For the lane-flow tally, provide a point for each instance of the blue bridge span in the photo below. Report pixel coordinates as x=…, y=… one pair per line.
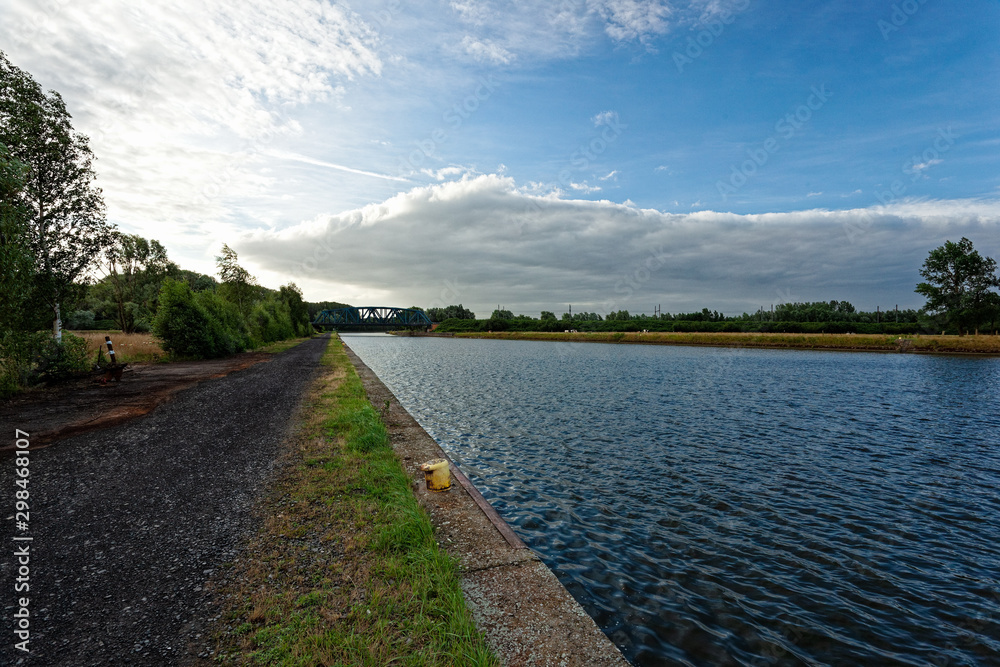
x=372, y=316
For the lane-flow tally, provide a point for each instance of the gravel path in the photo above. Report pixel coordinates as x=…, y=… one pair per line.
x=130, y=523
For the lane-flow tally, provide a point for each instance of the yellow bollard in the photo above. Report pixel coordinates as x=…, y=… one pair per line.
x=437, y=475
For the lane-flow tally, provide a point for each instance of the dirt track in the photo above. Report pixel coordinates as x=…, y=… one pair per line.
x=85, y=404
x=131, y=522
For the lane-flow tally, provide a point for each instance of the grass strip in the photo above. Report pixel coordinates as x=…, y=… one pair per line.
x=281, y=345
x=345, y=570
x=856, y=342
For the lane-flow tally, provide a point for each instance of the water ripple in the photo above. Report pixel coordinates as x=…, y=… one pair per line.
x=735, y=507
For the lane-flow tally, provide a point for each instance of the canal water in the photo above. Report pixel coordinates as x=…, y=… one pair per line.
x=735, y=507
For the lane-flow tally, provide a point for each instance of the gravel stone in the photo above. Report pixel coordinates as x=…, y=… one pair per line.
x=131, y=523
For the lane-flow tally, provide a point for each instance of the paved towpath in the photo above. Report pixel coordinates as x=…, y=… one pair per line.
x=129, y=523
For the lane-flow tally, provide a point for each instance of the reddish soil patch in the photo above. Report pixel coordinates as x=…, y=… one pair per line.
x=51, y=413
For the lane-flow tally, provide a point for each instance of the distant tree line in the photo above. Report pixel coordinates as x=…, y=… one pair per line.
x=960, y=289
x=788, y=316
x=458, y=312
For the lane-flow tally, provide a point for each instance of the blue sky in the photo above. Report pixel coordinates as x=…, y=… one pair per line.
x=605, y=153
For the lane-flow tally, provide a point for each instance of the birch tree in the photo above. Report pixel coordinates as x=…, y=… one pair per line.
x=67, y=225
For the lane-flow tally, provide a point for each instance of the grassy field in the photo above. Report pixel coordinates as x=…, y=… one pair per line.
x=862, y=342
x=138, y=347
x=345, y=570
x=131, y=348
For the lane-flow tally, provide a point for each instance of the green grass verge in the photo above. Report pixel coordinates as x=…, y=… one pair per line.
x=281, y=345
x=346, y=570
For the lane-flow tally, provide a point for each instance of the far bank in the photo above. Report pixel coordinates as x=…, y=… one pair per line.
x=847, y=342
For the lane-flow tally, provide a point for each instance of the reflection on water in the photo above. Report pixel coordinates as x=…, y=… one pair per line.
x=735, y=507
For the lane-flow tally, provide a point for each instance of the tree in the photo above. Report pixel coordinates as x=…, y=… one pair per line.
x=136, y=269
x=502, y=314
x=959, y=285
x=16, y=262
x=457, y=312
x=548, y=315
x=298, y=311
x=67, y=227
x=16, y=277
x=238, y=286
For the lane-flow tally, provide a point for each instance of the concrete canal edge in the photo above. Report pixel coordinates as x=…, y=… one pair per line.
x=527, y=616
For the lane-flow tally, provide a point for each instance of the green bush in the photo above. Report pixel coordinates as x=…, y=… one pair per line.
x=458, y=325
x=60, y=360
x=271, y=321
x=80, y=320
x=298, y=310
x=206, y=325
x=186, y=328
x=18, y=352
x=226, y=324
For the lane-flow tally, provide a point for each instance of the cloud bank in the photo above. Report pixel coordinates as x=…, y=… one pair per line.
x=484, y=241
x=180, y=99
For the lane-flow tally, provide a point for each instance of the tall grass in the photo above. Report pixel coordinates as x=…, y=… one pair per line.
x=131, y=348
x=867, y=342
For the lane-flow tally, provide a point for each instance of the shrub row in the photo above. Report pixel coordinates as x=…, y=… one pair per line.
x=204, y=325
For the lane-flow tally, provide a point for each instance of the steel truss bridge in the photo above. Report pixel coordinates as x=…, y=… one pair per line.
x=372, y=316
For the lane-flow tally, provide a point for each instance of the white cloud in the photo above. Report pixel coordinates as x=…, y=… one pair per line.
x=497, y=241
x=505, y=30
x=447, y=172
x=584, y=188
x=486, y=51
x=476, y=12
x=611, y=175
x=182, y=100
x=605, y=118
x=921, y=167
x=814, y=194
x=638, y=20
